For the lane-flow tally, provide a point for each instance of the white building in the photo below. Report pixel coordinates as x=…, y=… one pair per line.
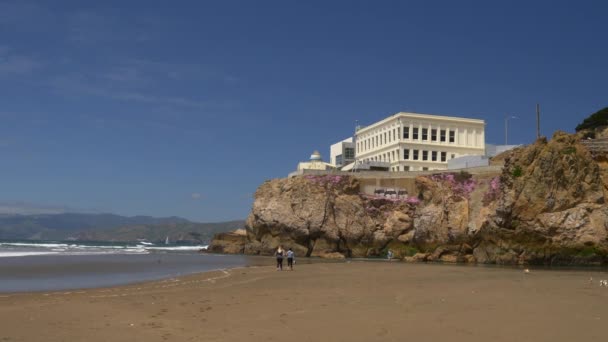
x=342, y=153
x=418, y=142
x=315, y=163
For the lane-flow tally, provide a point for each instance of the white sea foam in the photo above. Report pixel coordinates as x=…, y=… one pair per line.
x=44, y=248
x=6, y=254
x=33, y=244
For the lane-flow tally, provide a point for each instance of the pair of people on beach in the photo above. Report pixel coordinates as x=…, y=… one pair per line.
x=280, y=253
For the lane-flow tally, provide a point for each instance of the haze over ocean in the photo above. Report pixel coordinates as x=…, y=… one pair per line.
x=162, y=109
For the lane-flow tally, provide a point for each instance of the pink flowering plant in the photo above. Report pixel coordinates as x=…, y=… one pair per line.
x=462, y=184
x=493, y=190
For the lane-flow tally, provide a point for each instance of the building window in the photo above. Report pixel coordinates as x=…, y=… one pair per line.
x=339, y=160
x=442, y=135
x=415, y=154
x=433, y=134
x=452, y=136
x=406, y=168
x=392, y=155
x=349, y=153
x=433, y=155
x=425, y=168
x=385, y=138
x=415, y=133
x=425, y=155
x=406, y=132
x=453, y=156
x=443, y=156
x=376, y=144
x=425, y=134
x=406, y=154
x=394, y=136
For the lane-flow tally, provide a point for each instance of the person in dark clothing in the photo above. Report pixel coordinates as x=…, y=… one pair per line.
x=279, y=254
x=290, y=256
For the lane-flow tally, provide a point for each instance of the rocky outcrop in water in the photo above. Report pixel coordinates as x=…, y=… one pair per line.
x=546, y=207
x=229, y=242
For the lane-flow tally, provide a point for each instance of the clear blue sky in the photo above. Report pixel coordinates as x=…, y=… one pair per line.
x=184, y=108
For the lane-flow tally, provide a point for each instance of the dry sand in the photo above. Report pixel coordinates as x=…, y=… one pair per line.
x=356, y=301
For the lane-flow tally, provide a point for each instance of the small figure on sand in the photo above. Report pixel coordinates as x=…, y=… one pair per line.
x=389, y=255
x=279, y=254
x=290, y=260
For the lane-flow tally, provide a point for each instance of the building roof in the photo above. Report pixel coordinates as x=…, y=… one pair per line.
x=408, y=115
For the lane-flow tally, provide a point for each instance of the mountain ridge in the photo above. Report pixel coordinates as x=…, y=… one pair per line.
x=109, y=227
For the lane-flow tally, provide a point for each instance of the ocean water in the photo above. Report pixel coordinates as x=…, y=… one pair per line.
x=61, y=265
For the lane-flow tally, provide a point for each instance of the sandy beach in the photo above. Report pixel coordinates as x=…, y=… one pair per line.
x=353, y=301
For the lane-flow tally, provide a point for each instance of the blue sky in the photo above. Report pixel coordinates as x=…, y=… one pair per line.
x=184, y=108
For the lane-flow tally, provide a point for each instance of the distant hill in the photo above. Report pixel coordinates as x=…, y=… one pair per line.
x=109, y=227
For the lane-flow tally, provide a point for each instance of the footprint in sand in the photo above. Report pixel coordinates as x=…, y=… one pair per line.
x=283, y=318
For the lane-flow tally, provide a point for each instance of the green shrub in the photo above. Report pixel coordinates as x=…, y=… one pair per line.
x=569, y=150
x=410, y=251
x=587, y=252
x=595, y=120
x=517, y=171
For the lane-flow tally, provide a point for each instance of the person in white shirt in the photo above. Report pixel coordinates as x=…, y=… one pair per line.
x=290, y=255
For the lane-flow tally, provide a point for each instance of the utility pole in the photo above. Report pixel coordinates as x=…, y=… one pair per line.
x=537, y=121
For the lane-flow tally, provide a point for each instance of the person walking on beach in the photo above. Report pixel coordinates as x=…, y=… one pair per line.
x=290, y=256
x=279, y=254
x=389, y=255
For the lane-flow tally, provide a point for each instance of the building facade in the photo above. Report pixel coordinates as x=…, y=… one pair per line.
x=315, y=163
x=419, y=142
x=342, y=153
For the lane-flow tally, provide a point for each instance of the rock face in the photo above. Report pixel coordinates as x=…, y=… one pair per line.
x=546, y=207
x=230, y=242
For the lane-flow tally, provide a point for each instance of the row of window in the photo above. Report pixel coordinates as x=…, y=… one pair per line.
x=425, y=134
x=408, y=168
x=424, y=155
x=417, y=134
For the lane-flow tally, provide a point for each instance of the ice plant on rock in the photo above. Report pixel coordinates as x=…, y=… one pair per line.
x=331, y=181
x=493, y=190
x=412, y=200
x=462, y=185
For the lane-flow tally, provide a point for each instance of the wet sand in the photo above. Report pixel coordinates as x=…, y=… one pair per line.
x=356, y=301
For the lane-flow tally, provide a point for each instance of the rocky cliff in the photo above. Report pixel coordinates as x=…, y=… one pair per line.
x=546, y=207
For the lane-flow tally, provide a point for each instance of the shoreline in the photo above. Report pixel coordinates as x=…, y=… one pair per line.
x=254, y=261
x=351, y=301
